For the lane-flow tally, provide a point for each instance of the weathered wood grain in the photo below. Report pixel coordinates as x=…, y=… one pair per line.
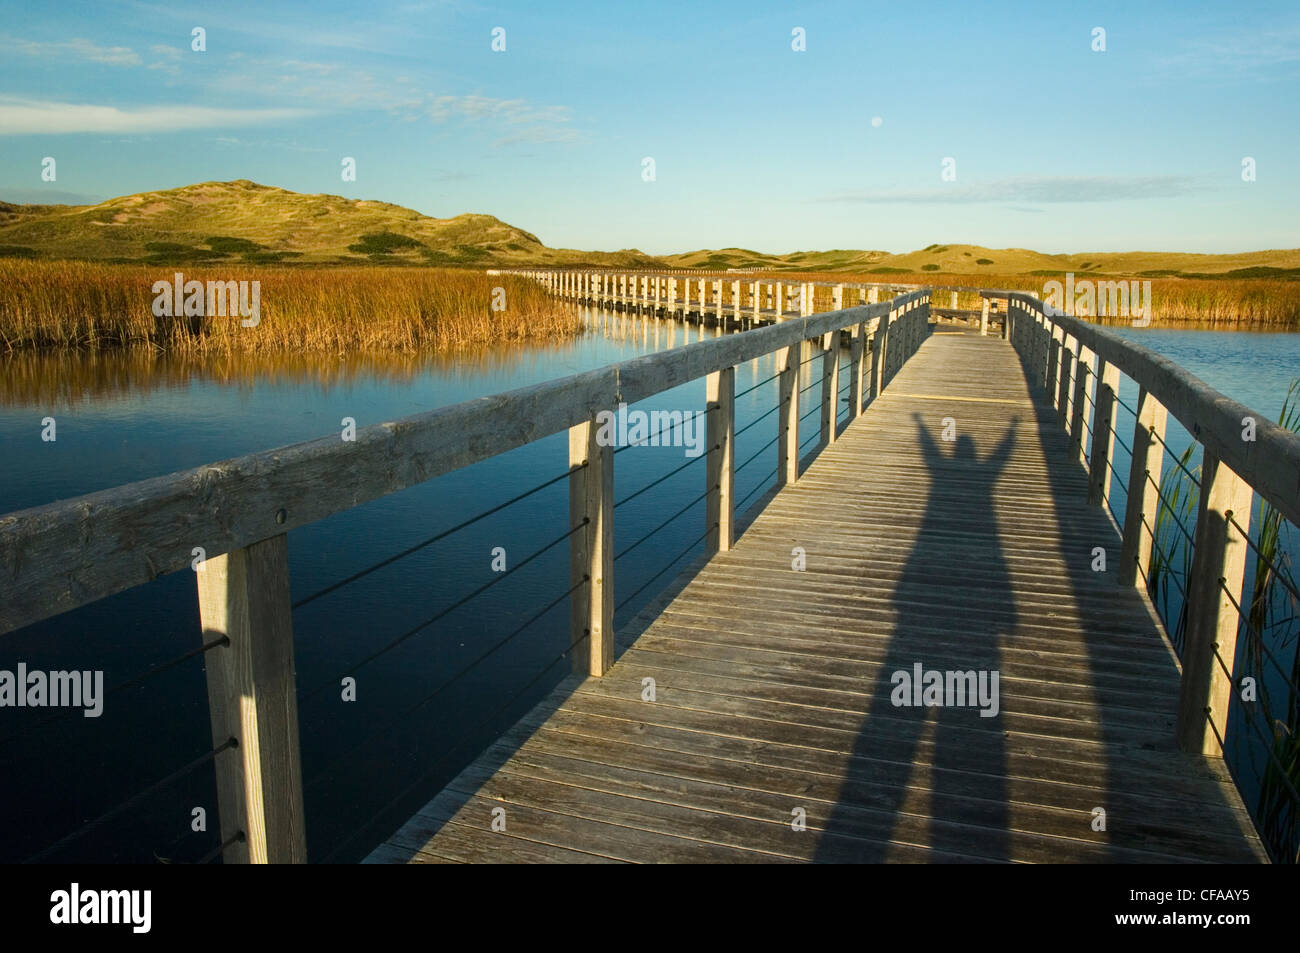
x=773, y=685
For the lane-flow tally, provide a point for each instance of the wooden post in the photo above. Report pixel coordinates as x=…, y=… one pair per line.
x=837, y=298
x=717, y=290
x=1081, y=371
x=830, y=385
x=1103, y=435
x=787, y=465
x=758, y=299
x=780, y=302
x=1218, y=562
x=735, y=302
x=252, y=697
x=954, y=303
x=1143, y=484
x=1053, y=362
x=878, y=354
x=1065, y=374
x=857, y=369
x=720, y=392
x=591, y=550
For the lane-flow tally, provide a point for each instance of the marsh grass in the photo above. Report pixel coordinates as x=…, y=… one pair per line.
x=337, y=310
x=1272, y=614
x=1264, y=303
x=1269, y=629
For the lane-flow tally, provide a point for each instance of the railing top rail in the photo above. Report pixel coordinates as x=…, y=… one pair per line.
x=1270, y=462
x=62, y=555
x=705, y=273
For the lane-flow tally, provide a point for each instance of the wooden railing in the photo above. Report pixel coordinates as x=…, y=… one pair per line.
x=1243, y=453
x=734, y=298
x=58, y=557
x=742, y=299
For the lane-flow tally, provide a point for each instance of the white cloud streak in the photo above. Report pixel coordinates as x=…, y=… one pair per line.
x=25, y=117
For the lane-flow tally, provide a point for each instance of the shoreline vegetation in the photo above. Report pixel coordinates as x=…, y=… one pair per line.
x=1243, y=304
x=87, y=306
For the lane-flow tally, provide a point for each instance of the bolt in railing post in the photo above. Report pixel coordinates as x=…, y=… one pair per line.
x=1218, y=568
x=720, y=392
x=591, y=549
x=252, y=697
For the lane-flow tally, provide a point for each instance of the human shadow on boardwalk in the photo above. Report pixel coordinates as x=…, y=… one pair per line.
x=956, y=750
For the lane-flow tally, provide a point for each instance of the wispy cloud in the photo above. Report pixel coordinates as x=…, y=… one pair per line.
x=512, y=111
x=78, y=49
x=535, y=134
x=26, y=196
x=26, y=116
x=1241, y=53
x=1042, y=190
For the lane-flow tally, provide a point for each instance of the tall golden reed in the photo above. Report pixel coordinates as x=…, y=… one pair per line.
x=69, y=304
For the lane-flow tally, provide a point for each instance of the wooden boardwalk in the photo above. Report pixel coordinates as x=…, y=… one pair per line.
x=773, y=687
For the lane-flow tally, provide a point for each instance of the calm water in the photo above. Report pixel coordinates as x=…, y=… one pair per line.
x=427, y=707
x=124, y=419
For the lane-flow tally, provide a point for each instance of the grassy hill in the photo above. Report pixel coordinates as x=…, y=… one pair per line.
x=976, y=260
x=246, y=222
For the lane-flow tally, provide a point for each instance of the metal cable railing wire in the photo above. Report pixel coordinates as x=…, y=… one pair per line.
x=748, y=390
x=755, y=455
x=1259, y=639
x=761, y=484
x=409, y=633
x=671, y=473
x=388, y=722
x=1177, y=460
x=757, y=419
x=1170, y=510
x=433, y=539
x=660, y=431
x=496, y=713
x=1170, y=575
x=68, y=713
x=672, y=562
x=132, y=801
x=1282, y=771
x=210, y=856
x=1277, y=574
x=628, y=549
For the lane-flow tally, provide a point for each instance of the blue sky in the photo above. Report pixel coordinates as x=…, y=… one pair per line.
x=1057, y=147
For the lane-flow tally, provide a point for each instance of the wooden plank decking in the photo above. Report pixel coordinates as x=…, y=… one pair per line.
x=773, y=687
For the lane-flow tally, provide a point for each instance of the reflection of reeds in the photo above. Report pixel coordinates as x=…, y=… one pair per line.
x=85, y=305
x=63, y=377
